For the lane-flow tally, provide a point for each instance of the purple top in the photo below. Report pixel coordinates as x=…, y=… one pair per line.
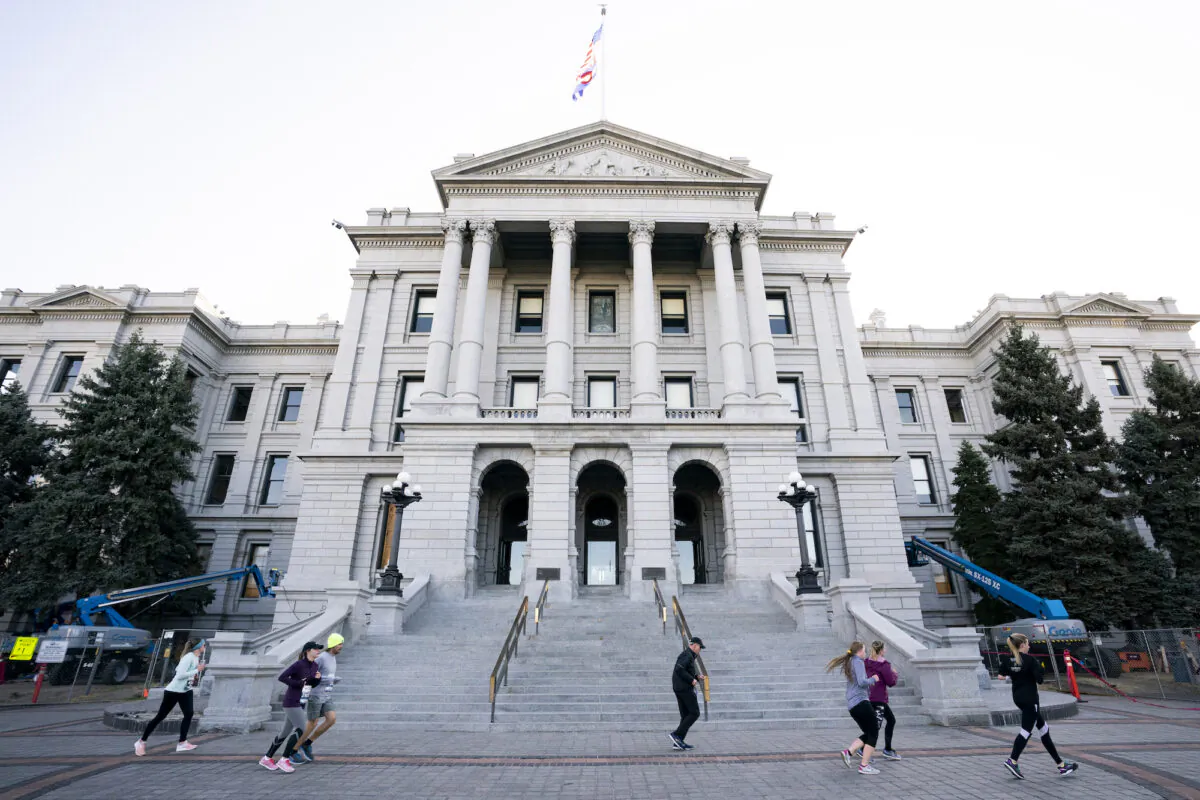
x=295, y=676
x=887, y=677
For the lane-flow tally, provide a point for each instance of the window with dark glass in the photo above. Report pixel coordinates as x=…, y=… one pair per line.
x=276, y=473
x=411, y=387
x=239, y=404
x=602, y=393
x=10, y=368
x=68, y=373
x=289, y=407
x=218, y=486
x=956, y=404
x=257, y=555
x=529, y=312
x=674, y=312
x=602, y=312
x=906, y=400
x=204, y=552
x=922, y=480
x=678, y=392
x=524, y=392
x=777, y=311
x=791, y=392
x=812, y=535
x=422, y=321
x=1116, y=381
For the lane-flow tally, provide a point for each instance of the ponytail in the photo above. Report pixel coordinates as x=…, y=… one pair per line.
x=1014, y=645
x=843, y=661
x=877, y=648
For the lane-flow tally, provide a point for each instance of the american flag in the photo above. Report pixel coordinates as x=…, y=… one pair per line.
x=587, y=70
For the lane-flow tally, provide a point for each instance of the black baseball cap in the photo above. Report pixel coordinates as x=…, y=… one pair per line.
x=312, y=646
x=696, y=640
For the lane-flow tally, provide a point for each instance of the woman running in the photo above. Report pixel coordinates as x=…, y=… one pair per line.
x=878, y=664
x=177, y=693
x=858, y=701
x=303, y=672
x=1026, y=673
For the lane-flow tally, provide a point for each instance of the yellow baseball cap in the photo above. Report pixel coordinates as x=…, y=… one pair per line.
x=334, y=640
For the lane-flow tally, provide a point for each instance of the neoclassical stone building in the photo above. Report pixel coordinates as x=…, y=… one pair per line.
x=598, y=358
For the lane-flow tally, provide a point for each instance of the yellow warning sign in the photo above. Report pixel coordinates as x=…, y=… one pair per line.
x=24, y=648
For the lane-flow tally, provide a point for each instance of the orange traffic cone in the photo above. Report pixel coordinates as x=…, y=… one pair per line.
x=1071, y=673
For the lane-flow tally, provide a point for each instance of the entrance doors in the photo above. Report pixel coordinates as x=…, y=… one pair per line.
x=601, y=524
x=689, y=541
x=513, y=540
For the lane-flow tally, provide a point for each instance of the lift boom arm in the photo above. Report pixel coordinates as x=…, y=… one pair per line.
x=994, y=585
x=87, y=607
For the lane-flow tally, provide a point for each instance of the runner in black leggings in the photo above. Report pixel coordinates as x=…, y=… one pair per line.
x=1026, y=673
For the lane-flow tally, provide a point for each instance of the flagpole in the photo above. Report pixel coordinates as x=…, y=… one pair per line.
x=604, y=57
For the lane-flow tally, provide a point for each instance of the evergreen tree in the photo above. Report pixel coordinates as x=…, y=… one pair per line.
x=107, y=517
x=1063, y=525
x=25, y=451
x=1159, y=459
x=975, y=502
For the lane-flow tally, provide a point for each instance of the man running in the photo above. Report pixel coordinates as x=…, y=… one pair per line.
x=320, y=702
x=684, y=680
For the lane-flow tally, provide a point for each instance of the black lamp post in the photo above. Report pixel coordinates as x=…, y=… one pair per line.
x=796, y=493
x=401, y=494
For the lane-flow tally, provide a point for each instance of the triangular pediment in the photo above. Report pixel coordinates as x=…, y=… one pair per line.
x=79, y=297
x=1106, y=305
x=601, y=151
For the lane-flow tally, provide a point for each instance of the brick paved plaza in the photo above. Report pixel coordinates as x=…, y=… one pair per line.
x=1127, y=751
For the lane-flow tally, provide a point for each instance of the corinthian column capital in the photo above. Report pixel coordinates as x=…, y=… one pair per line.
x=641, y=231
x=562, y=231
x=454, y=229
x=484, y=230
x=748, y=232
x=719, y=232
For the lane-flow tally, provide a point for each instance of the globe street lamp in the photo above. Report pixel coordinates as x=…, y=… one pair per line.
x=796, y=493
x=401, y=495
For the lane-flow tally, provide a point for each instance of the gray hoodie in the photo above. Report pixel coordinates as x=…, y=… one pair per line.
x=858, y=688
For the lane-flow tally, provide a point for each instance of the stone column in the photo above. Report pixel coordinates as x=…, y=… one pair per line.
x=441, y=335
x=647, y=403
x=732, y=351
x=559, y=326
x=470, y=345
x=762, y=346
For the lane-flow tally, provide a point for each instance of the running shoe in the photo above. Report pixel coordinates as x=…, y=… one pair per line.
x=1012, y=767
x=867, y=769
x=846, y=758
x=139, y=747
x=285, y=765
x=890, y=755
x=687, y=746
x=307, y=748
x=1068, y=768
x=183, y=747
x=266, y=761
x=676, y=742
x=298, y=757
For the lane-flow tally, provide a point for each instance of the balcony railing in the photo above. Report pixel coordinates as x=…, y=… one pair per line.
x=601, y=413
x=693, y=413
x=508, y=413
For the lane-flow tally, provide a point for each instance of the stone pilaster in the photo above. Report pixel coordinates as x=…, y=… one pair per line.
x=550, y=520
x=651, y=533
x=371, y=362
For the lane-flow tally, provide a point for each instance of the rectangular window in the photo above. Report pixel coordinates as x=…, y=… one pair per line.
x=1116, y=382
x=276, y=473
x=811, y=537
x=602, y=393
x=410, y=389
x=289, y=407
x=68, y=374
x=257, y=555
x=956, y=404
x=679, y=392
x=674, y=312
x=10, y=368
x=791, y=392
x=602, y=312
x=218, y=486
x=524, y=392
x=943, y=583
x=781, y=325
x=239, y=404
x=204, y=551
x=906, y=400
x=529, y=312
x=922, y=482
x=422, y=320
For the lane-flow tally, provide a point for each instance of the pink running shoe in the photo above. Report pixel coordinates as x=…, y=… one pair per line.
x=183, y=747
x=139, y=747
x=285, y=765
x=268, y=763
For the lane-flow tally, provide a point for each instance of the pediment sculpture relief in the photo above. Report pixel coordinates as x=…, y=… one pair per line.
x=600, y=164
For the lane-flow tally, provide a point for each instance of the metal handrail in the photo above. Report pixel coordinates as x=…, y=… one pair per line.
x=540, y=608
x=685, y=633
x=500, y=671
x=662, y=606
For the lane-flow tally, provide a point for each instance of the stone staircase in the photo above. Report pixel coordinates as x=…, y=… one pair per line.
x=599, y=663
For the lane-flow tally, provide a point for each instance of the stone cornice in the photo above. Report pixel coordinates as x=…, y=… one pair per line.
x=571, y=187
x=397, y=240
x=794, y=245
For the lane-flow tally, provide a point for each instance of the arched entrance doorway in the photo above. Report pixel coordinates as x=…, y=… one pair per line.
x=502, y=534
x=699, y=523
x=600, y=525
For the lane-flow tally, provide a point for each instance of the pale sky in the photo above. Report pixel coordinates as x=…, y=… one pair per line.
x=1017, y=148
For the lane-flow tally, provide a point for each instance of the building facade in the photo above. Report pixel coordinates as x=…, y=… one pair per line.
x=599, y=359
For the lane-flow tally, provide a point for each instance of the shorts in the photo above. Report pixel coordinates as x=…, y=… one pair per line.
x=317, y=708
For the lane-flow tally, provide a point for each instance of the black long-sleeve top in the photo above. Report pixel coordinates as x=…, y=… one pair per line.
x=1025, y=676
x=684, y=672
